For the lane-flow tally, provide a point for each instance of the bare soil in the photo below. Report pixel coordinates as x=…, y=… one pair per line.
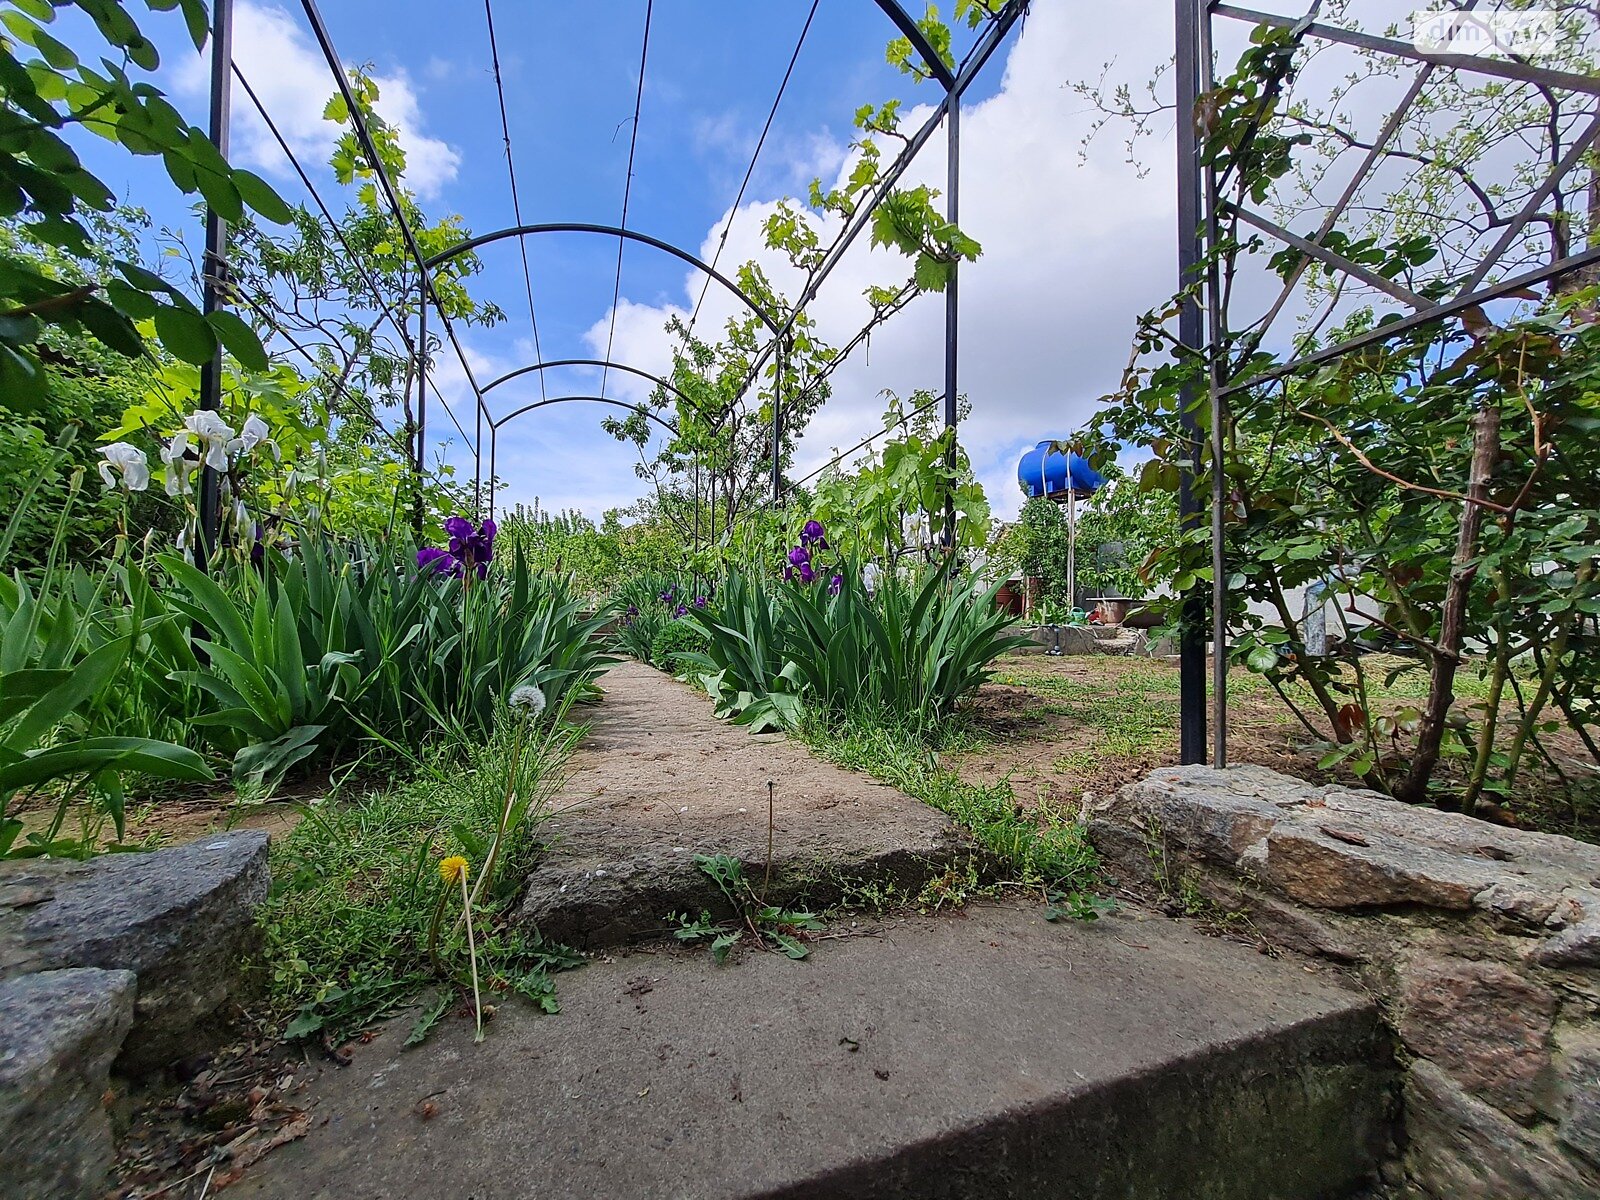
x=1058, y=729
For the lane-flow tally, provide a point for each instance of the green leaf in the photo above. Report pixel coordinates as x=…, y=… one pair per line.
x=90, y=756
x=186, y=334
x=306, y=1022
x=260, y=196
x=429, y=1017
x=235, y=333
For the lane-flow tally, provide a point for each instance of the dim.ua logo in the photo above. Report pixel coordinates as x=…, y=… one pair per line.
x=1501, y=33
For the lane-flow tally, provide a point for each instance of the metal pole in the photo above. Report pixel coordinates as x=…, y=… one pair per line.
x=419, y=460
x=1219, y=479
x=494, y=445
x=777, y=424
x=215, y=273
x=1072, y=541
x=952, y=316
x=1192, y=618
x=477, y=466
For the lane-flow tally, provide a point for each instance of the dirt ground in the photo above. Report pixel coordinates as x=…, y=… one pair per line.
x=1060, y=727
x=1057, y=728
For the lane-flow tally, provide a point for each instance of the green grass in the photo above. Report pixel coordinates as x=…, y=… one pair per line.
x=1135, y=713
x=1038, y=846
x=356, y=885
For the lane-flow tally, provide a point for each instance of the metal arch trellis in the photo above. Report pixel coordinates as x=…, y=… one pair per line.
x=1202, y=315
x=955, y=83
x=738, y=198
x=953, y=80
x=616, y=231
x=552, y=363
x=494, y=426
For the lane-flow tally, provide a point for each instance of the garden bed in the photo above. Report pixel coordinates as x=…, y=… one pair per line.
x=1060, y=727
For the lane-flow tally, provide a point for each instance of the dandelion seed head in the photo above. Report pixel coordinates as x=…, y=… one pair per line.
x=528, y=698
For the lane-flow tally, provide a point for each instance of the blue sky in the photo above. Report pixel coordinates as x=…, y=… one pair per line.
x=1073, y=249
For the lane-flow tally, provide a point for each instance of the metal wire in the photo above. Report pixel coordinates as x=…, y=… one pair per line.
x=272, y=127
x=364, y=136
x=511, y=172
x=371, y=281
x=628, y=189
x=722, y=241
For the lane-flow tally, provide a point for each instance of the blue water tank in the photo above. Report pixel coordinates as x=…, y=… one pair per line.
x=1044, y=472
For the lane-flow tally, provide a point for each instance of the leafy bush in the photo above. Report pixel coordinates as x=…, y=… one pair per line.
x=913, y=650
x=746, y=670
x=61, y=672
x=644, y=605
x=312, y=652
x=676, y=638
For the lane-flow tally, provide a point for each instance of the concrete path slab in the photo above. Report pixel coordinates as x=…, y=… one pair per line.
x=980, y=1054
x=660, y=779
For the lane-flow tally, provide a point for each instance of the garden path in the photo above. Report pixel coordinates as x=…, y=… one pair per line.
x=977, y=1054
x=659, y=779
x=982, y=1053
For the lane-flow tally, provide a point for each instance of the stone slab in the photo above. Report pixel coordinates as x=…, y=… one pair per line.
x=660, y=780
x=1463, y=1149
x=979, y=1054
x=181, y=919
x=1343, y=848
x=59, y=1032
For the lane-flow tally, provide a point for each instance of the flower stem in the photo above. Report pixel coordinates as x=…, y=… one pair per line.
x=433, y=929
x=472, y=952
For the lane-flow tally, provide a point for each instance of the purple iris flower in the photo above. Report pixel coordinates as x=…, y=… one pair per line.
x=483, y=544
x=800, y=557
x=459, y=529
x=807, y=574
x=835, y=584
x=788, y=574
x=699, y=601
x=633, y=610
x=431, y=560
x=680, y=610
x=469, y=546
x=668, y=595
x=814, y=534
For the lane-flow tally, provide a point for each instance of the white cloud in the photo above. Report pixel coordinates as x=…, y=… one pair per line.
x=1072, y=253
x=293, y=82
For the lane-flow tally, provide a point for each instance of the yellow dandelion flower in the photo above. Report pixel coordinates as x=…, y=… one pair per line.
x=452, y=868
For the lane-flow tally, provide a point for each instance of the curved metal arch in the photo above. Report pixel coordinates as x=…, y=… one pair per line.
x=586, y=362
x=640, y=409
x=521, y=231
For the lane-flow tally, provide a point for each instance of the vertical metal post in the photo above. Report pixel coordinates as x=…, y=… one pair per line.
x=214, y=282
x=1219, y=477
x=477, y=464
x=494, y=445
x=1072, y=540
x=777, y=422
x=952, y=314
x=1192, y=617
x=419, y=452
